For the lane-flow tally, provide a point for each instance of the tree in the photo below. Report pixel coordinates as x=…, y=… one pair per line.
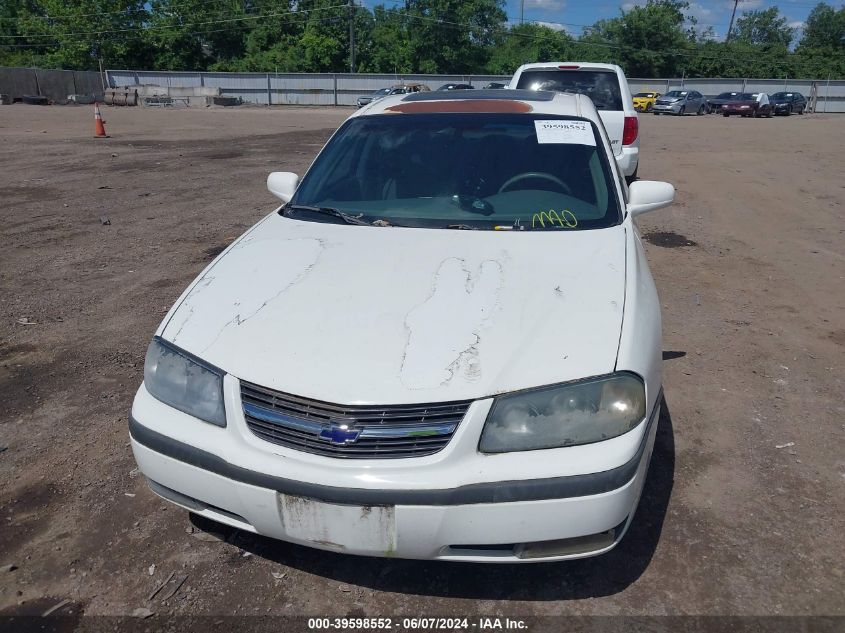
x=766, y=27
x=196, y=34
x=452, y=36
x=388, y=48
x=524, y=43
x=75, y=35
x=655, y=39
x=824, y=29
x=649, y=40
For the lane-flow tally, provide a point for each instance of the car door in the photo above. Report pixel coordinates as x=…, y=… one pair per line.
x=697, y=102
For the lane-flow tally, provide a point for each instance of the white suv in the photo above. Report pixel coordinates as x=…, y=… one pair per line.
x=607, y=86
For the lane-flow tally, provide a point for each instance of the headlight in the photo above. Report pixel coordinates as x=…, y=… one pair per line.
x=564, y=415
x=184, y=382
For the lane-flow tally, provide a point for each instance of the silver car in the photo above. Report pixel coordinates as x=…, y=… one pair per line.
x=378, y=94
x=681, y=102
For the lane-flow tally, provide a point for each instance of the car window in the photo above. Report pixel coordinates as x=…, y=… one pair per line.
x=601, y=86
x=481, y=171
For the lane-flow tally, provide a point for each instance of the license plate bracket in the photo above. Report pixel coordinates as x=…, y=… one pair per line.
x=340, y=527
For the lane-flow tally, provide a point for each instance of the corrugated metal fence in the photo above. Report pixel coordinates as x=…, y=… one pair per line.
x=56, y=85
x=343, y=88
x=288, y=88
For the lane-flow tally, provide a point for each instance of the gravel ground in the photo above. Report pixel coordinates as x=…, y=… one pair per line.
x=742, y=512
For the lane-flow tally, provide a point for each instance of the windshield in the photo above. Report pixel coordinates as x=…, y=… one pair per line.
x=382, y=91
x=480, y=171
x=746, y=96
x=726, y=95
x=676, y=93
x=644, y=94
x=601, y=86
x=782, y=95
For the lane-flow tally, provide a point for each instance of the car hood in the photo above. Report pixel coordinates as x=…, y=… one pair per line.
x=370, y=315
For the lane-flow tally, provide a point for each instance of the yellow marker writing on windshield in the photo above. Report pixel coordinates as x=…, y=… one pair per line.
x=564, y=219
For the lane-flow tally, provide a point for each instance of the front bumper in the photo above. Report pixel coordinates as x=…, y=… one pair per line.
x=380, y=509
x=670, y=108
x=732, y=110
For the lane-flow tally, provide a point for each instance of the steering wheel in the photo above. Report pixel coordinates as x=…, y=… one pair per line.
x=536, y=174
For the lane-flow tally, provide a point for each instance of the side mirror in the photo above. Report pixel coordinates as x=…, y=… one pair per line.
x=648, y=195
x=282, y=184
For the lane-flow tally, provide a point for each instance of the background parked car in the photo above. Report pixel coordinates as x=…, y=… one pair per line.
x=749, y=104
x=409, y=88
x=715, y=103
x=393, y=90
x=788, y=102
x=452, y=86
x=607, y=87
x=681, y=102
x=644, y=101
x=495, y=85
x=378, y=94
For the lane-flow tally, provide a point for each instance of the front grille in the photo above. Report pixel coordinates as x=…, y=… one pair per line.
x=350, y=431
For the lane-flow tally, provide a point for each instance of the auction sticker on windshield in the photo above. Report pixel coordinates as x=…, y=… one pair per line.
x=572, y=132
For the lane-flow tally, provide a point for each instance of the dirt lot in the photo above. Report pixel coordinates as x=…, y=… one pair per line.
x=750, y=266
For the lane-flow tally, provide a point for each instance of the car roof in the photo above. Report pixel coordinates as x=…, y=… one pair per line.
x=486, y=101
x=580, y=65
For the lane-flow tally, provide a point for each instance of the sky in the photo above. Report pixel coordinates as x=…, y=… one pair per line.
x=574, y=15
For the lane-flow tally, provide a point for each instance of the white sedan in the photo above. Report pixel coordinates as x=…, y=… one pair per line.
x=444, y=345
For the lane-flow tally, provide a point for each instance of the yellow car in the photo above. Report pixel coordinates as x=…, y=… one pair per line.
x=644, y=101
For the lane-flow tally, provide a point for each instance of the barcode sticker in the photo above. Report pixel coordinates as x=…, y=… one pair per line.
x=572, y=132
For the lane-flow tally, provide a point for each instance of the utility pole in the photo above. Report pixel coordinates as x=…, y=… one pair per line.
x=351, y=36
x=522, y=12
x=731, y=27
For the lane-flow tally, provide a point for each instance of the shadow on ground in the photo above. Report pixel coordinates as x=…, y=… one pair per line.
x=587, y=578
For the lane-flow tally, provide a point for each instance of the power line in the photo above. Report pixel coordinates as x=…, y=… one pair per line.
x=243, y=29
x=439, y=21
x=172, y=26
x=171, y=5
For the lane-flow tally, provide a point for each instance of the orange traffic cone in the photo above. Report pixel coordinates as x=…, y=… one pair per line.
x=99, y=128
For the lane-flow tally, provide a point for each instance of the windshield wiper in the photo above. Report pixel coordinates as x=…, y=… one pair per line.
x=461, y=227
x=335, y=213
